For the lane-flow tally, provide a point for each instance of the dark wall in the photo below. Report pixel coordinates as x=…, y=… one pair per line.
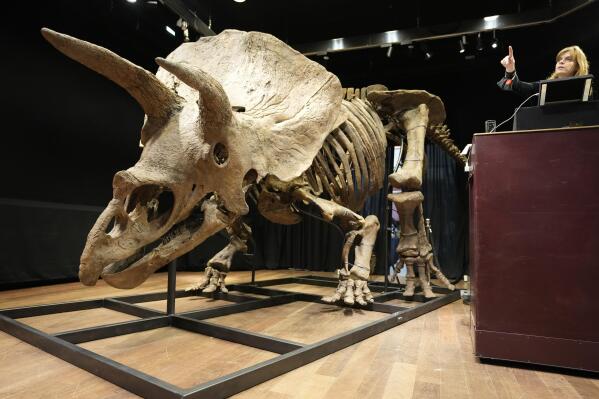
x=67, y=130
x=468, y=86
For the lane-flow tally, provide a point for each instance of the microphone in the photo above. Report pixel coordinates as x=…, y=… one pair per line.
x=514, y=114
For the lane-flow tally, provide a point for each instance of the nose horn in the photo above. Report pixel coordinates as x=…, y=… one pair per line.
x=122, y=183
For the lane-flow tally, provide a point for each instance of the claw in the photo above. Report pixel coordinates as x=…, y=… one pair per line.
x=209, y=289
x=197, y=287
x=367, y=294
x=348, y=298
x=358, y=293
x=330, y=299
x=341, y=288
x=204, y=283
x=363, y=294
x=214, y=280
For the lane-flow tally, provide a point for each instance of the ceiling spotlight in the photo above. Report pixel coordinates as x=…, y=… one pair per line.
x=491, y=18
x=170, y=30
x=495, y=42
x=479, y=42
x=389, y=51
x=181, y=23
x=427, y=53
x=239, y=1
x=324, y=57
x=463, y=44
x=131, y=1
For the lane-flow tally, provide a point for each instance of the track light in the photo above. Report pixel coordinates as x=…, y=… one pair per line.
x=463, y=44
x=181, y=23
x=495, y=42
x=427, y=53
x=389, y=51
x=170, y=30
x=479, y=42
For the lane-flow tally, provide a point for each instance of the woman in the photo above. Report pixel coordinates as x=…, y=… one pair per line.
x=570, y=61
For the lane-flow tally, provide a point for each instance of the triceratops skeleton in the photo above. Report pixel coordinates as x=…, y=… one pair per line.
x=242, y=115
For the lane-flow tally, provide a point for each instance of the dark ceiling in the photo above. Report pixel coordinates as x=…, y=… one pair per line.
x=311, y=20
x=137, y=30
x=140, y=26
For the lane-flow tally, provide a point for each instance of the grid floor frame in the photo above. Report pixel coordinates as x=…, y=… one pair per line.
x=291, y=355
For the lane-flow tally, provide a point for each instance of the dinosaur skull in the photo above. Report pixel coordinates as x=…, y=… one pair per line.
x=188, y=164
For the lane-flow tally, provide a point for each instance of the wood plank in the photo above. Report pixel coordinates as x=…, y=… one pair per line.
x=583, y=386
x=179, y=357
x=303, y=322
x=403, y=303
x=59, y=322
x=429, y=355
x=304, y=288
x=559, y=385
x=186, y=304
x=28, y=372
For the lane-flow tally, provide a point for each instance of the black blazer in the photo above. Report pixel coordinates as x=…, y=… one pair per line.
x=510, y=82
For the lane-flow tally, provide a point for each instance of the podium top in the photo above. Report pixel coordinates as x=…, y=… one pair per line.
x=561, y=129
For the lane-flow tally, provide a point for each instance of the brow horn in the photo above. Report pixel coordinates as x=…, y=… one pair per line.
x=157, y=100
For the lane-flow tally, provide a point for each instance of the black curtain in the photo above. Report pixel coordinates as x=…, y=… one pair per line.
x=316, y=245
x=446, y=205
x=42, y=242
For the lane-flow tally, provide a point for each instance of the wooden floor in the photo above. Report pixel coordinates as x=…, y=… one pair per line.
x=429, y=357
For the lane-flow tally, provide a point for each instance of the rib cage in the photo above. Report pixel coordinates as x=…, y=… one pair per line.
x=351, y=163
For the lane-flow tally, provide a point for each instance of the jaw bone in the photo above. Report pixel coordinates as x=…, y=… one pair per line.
x=183, y=240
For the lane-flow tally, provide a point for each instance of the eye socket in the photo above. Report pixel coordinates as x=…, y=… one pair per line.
x=220, y=154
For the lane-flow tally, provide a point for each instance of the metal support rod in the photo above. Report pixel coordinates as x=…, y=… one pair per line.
x=385, y=237
x=171, y=288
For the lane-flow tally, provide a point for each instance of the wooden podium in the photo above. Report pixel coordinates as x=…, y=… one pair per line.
x=534, y=246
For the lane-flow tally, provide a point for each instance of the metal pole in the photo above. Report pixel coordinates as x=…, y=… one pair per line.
x=171, y=287
x=390, y=151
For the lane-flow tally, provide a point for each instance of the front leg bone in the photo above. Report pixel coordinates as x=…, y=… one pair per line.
x=415, y=123
x=353, y=287
x=425, y=250
x=220, y=264
x=330, y=210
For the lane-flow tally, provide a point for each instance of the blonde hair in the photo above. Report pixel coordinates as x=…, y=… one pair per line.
x=582, y=64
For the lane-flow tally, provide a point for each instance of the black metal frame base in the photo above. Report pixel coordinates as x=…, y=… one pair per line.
x=291, y=354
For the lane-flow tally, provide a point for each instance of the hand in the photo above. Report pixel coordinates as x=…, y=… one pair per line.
x=508, y=62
